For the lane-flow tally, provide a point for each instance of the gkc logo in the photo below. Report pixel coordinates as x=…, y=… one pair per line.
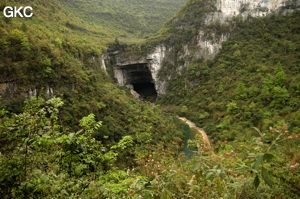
x=17, y=11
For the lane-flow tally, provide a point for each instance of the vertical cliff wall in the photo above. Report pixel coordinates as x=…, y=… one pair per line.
x=210, y=38
x=196, y=32
x=129, y=70
x=199, y=30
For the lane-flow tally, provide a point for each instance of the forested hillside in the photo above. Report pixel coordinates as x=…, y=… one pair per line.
x=135, y=18
x=253, y=82
x=68, y=131
x=53, y=145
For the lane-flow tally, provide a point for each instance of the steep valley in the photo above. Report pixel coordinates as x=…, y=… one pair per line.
x=113, y=99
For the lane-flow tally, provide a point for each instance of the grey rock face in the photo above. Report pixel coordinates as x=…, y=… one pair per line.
x=206, y=44
x=226, y=10
x=144, y=69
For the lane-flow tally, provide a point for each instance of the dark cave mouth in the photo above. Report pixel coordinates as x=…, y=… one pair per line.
x=146, y=90
x=139, y=76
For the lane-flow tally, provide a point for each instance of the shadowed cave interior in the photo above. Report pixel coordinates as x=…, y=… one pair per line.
x=139, y=76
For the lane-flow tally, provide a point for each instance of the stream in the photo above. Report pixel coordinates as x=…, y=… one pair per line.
x=190, y=131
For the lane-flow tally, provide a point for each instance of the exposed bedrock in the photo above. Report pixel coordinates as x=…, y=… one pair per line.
x=141, y=73
x=140, y=77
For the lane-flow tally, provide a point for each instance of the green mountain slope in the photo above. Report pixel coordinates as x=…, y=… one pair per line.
x=55, y=50
x=254, y=81
x=134, y=18
x=91, y=139
x=182, y=27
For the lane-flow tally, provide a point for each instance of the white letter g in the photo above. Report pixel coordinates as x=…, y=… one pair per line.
x=9, y=13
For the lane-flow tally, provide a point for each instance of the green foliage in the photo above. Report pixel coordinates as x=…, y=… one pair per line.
x=58, y=51
x=232, y=108
x=115, y=184
x=183, y=27
x=240, y=91
x=267, y=157
x=280, y=96
x=89, y=123
x=58, y=148
x=124, y=143
x=251, y=82
x=41, y=158
x=128, y=18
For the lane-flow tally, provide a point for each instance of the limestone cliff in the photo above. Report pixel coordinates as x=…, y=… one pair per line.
x=146, y=67
x=226, y=10
x=217, y=22
x=197, y=32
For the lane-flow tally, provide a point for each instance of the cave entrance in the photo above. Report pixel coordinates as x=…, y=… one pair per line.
x=139, y=76
x=146, y=90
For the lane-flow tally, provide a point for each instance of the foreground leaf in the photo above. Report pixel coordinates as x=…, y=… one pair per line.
x=266, y=177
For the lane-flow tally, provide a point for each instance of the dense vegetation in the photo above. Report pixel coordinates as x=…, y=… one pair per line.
x=130, y=18
x=254, y=81
x=92, y=140
x=52, y=51
x=185, y=24
x=42, y=159
x=41, y=53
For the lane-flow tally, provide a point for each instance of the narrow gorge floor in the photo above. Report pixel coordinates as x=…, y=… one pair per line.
x=201, y=131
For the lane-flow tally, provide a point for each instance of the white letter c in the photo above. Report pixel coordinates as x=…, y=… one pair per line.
x=24, y=12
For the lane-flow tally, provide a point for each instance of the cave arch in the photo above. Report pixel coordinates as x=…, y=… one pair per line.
x=139, y=76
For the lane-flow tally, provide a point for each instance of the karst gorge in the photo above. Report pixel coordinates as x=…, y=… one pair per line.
x=149, y=99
